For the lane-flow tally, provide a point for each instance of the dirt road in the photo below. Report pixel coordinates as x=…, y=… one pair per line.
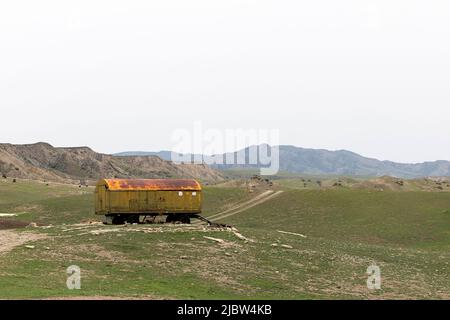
x=241, y=207
x=9, y=239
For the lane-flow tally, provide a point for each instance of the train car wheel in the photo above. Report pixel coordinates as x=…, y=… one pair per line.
x=132, y=218
x=117, y=219
x=170, y=218
x=185, y=219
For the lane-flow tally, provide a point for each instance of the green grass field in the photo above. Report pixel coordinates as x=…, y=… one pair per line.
x=407, y=234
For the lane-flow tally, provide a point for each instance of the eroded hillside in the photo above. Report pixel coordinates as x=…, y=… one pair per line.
x=42, y=161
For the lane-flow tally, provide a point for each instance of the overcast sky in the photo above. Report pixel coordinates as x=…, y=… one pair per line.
x=371, y=76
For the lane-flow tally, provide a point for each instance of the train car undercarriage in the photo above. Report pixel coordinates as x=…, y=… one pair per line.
x=119, y=219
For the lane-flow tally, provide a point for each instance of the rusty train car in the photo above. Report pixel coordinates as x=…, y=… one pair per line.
x=135, y=200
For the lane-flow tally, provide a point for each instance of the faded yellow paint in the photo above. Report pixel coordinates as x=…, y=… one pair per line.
x=148, y=196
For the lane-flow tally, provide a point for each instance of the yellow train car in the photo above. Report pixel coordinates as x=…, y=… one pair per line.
x=135, y=200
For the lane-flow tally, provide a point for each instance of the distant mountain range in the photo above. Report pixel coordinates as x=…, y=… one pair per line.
x=42, y=161
x=324, y=162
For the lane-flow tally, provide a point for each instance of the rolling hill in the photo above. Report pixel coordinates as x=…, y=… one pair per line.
x=41, y=161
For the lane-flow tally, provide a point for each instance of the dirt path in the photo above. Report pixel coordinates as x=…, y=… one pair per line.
x=240, y=207
x=10, y=239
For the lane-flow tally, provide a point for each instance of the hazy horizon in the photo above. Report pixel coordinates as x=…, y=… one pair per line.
x=368, y=76
x=167, y=150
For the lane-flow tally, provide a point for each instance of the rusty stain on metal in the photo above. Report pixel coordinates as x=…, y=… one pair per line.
x=152, y=184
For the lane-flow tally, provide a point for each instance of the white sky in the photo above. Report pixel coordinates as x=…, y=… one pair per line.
x=371, y=76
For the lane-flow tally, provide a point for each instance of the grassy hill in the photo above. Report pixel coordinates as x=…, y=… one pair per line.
x=333, y=235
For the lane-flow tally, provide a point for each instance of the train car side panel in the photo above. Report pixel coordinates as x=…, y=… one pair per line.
x=147, y=197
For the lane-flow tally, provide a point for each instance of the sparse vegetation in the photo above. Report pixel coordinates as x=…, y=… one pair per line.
x=329, y=237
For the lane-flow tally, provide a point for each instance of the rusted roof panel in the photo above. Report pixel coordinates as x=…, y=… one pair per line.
x=152, y=184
